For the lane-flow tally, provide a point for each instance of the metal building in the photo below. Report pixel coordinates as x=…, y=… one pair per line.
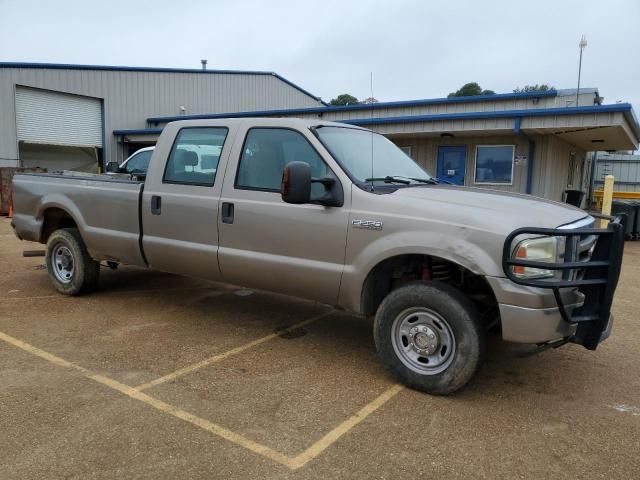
x=623, y=166
x=63, y=116
x=533, y=143
x=76, y=116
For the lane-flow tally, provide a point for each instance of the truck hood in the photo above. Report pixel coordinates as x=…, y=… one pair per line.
x=486, y=209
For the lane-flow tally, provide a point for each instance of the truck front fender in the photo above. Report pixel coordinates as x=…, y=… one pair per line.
x=458, y=249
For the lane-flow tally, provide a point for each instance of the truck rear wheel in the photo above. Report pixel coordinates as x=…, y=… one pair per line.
x=70, y=267
x=429, y=335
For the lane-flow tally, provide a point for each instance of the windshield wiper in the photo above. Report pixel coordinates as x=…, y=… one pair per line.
x=389, y=179
x=401, y=179
x=431, y=181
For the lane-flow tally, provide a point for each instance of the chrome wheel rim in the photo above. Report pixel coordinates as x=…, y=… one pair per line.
x=62, y=263
x=423, y=340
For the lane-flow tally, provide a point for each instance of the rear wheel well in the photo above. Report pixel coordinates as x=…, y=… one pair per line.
x=400, y=270
x=54, y=219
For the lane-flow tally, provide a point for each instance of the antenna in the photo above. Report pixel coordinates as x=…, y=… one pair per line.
x=371, y=112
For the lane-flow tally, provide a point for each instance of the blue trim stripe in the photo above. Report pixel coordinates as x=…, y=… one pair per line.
x=137, y=131
x=517, y=114
x=113, y=68
x=536, y=112
x=368, y=106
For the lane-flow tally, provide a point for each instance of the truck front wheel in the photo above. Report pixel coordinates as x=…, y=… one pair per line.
x=70, y=267
x=429, y=335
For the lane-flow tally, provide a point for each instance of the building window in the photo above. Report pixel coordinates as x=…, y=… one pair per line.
x=194, y=156
x=494, y=164
x=407, y=151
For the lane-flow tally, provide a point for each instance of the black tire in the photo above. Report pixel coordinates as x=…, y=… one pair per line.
x=436, y=301
x=83, y=271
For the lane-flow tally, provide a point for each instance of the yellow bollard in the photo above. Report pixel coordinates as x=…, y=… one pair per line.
x=607, y=196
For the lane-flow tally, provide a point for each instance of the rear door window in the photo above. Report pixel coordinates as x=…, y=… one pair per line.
x=195, y=155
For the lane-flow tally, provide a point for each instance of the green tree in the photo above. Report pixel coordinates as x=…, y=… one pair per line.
x=544, y=87
x=344, y=99
x=470, y=90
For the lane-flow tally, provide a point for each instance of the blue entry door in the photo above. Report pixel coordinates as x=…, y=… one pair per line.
x=451, y=164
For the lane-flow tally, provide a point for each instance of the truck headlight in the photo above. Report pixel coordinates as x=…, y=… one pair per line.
x=543, y=249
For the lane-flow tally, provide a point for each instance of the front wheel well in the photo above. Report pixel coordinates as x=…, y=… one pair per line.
x=54, y=219
x=394, y=272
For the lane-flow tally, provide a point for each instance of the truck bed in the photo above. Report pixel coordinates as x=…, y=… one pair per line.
x=105, y=209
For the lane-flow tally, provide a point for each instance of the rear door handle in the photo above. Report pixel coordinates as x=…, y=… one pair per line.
x=227, y=212
x=156, y=204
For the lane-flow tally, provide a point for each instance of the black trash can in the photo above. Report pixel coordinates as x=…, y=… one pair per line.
x=574, y=197
x=629, y=209
x=636, y=219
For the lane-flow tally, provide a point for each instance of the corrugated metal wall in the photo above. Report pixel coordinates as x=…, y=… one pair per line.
x=555, y=167
x=558, y=166
x=451, y=108
x=130, y=97
x=425, y=151
x=625, y=169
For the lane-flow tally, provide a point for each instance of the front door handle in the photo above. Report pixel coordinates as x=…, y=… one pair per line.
x=156, y=204
x=227, y=212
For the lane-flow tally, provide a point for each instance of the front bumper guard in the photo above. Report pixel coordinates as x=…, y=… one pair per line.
x=598, y=284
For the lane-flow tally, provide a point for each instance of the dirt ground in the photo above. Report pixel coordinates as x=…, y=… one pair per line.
x=158, y=376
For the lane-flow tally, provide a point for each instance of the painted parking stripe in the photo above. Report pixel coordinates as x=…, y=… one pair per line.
x=293, y=463
x=153, y=402
x=222, y=356
x=330, y=438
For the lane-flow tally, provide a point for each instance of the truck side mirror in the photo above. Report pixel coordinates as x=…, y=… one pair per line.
x=296, y=183
x=112, y=167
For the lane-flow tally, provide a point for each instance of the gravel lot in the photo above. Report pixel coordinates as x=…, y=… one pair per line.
x=158, y=376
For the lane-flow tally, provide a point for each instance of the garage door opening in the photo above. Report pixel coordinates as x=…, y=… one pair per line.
x=60, y=157
x=59, y=131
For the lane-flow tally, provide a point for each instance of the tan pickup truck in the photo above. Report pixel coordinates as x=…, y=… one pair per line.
x=339, y=215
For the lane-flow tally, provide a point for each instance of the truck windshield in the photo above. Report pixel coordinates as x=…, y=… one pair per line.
x=371, y=157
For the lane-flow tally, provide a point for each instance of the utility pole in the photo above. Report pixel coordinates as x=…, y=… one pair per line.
x=581, y=45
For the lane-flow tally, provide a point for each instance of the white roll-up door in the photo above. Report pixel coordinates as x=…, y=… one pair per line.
x=54, y=118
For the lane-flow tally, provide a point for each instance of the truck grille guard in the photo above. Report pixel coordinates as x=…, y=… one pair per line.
x=595, y=276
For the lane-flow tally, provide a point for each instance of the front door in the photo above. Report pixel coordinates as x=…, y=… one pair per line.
x=451, y=164
x=268, y=244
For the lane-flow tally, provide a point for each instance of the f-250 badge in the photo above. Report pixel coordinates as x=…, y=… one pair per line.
x=367, y=224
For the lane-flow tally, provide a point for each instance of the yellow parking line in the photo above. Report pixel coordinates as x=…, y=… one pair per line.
x=49, y=357
x=330, y=438
x=154, y=402
x=222, y=356
x=293, y=463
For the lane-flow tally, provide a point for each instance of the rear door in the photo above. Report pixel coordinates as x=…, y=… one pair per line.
x=181, y=198
x=269, y=244
x=451, y=164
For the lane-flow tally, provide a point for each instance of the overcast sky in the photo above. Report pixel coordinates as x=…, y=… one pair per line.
x=415, y=49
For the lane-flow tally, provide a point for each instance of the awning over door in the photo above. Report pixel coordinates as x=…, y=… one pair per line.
x=54, y=118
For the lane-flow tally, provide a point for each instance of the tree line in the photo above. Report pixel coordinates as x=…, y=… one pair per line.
x=471, y=89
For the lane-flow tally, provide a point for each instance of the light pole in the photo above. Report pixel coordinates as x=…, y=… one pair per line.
x=581, y=45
